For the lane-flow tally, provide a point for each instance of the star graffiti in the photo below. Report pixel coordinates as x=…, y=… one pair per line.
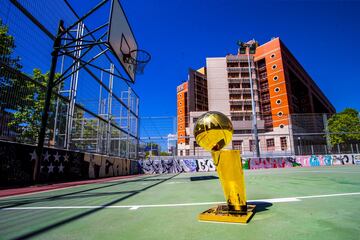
x=51, y=163
x=47, y=156
x=51, y=168
x=57, y=157
x=33, y=155
x=61, y=168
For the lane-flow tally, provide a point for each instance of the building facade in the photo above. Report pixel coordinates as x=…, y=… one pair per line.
x=282, y=89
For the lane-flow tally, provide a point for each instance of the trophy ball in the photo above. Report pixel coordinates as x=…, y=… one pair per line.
x=213, y=131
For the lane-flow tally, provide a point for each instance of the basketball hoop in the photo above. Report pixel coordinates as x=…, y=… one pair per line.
x=138, y=59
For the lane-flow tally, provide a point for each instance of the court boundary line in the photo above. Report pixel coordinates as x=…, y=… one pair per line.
x=136, y=207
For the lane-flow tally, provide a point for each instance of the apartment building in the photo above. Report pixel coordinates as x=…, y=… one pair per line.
x=281, y=88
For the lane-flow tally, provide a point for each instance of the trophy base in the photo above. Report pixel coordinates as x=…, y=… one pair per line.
x=222, y=213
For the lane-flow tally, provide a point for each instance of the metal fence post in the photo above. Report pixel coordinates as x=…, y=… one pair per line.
x=45, y=112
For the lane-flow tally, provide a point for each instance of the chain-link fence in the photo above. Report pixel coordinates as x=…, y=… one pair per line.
x=297, y=134
x=93, y=110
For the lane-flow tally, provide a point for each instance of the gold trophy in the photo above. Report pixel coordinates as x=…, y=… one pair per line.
x=213, y=131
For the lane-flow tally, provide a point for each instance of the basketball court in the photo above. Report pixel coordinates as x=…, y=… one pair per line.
x=296, y=203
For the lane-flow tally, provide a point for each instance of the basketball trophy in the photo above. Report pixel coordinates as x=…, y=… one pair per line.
x=213, y=131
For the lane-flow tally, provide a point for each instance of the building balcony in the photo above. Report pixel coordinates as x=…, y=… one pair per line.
x=237, y=58
x=237, y=69
x=262, y=90
x=262, y=68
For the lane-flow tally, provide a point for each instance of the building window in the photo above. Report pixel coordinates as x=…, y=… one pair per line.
x=278, y=102
x=275, y=78
x=272, y=55
x=277, y=90
x=247, y=108
x=195, y=120
x=270, y=144
x=180, y=111
x=237, y=118
x=266, y=108
x=180, y=103
x=180, y=127
x=280, y=114
x=252, y=145
x=283, y=143
x=274, y=66
x=187, y=152
x=180, y=95
x=237, y=145
x=281, y=126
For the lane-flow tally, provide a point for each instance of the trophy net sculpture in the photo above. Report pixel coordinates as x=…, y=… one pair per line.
x=213, y=131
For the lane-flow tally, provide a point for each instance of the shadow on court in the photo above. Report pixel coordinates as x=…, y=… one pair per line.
x=260, y=206
x=203, y=178
x=74, y=194
x=87, y=213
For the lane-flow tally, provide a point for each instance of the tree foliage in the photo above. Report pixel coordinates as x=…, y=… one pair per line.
x=7, y=46
x=27, y=117
x=345, y=127
x=22, y=97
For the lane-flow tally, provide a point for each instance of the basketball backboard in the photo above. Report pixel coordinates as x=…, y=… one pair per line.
x=121, y=38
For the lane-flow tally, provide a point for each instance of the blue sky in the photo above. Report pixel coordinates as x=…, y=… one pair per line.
x=323, y=36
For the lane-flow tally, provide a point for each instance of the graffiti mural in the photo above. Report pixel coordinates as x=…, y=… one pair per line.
x=205, y=165
x=259, y=163
x=328, y=160
x=17, y=162
x=176, y=166
x=106, y=166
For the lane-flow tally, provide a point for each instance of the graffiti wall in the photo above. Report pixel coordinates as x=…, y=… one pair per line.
x=328, y=160
x=17, y=162
x=207, y=165
x=259, y=163
x=106, y=166
x=176, y=166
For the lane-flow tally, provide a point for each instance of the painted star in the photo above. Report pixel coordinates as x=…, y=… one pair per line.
x=57, y=157
x=46, y=156
x=66, y=158
x=61, y=168
x=51, y=168
x=33, y=155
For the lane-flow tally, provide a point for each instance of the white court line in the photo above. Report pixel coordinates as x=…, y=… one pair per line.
x=135, y=207
x=63, y=188
x=251, y=172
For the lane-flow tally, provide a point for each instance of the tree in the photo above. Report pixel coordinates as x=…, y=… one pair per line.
x=345, y=127
x=165, y=154
x=7, y=61
x=152, y=149
x=7, y=46
x=21, y=96
x=27, y=116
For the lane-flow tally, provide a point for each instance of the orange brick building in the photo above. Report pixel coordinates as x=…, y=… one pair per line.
x=182, y=112
x=282, y=88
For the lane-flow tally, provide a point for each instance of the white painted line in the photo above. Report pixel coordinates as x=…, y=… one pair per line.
x=276, y=200
x=329, y=195
x=135, y=207
x=176, y=182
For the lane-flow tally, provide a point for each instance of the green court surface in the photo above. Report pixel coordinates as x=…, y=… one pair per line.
x=293, y=203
